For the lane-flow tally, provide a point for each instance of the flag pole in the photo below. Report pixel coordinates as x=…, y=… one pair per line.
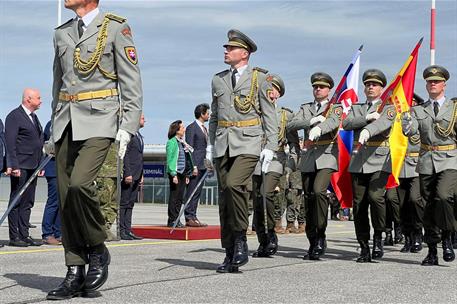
x=59, y=12
x=432, y=33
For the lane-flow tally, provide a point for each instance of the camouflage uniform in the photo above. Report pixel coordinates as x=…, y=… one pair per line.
x=107, y=190
x=295, y=202
x=280, y=199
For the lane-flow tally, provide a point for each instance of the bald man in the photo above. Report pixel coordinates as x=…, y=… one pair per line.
x=24, y=143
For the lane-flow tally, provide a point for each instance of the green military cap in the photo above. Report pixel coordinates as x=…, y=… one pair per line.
x=238, y=39
x=436, y=72
x=277, y=82
x=321, y=78
x=374, y=75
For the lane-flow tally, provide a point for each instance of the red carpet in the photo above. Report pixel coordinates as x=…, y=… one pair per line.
x=187, y=233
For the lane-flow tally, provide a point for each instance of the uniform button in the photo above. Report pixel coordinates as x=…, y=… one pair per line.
x=77, y=49
x=73, y=83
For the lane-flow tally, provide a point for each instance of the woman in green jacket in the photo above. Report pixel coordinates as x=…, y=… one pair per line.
x=179, y=169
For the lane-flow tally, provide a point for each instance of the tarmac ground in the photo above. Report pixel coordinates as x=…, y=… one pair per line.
x=168, y=271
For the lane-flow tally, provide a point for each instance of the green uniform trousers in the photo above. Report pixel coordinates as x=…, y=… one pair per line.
x=315, y=185
x=393, y=207
x=438, y=193
x=368, y=191
x=295, y=206
x=270, y=183
x=83, y=225
x=233, y=176
x=107, y=194
x=412, y=205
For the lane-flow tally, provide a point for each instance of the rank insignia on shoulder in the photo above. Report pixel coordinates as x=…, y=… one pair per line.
x=127, y=32
x=130, y=52
x=338, y=111
x=391, y=114
x=261, y=70
x=269, y=78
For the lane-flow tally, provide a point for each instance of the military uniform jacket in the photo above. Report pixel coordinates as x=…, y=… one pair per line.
x=323, y=154
x=372, y=157
x=425, y=123
x=241, y=140
x=96, y=117
x=412, y=155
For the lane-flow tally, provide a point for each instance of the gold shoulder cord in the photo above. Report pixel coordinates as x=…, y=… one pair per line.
x=245, y=105
x=415, y=139
x=445, y=132
x=86, y=67
x=282, y=127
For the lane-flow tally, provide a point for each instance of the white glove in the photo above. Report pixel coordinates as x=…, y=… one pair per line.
x=123, y=138
x=266, y=156
x=364, y=136
x=317, y=119
x=209, y=157
x=406, y=123
x=49, y=147
x=315, y=133
x=372, y=116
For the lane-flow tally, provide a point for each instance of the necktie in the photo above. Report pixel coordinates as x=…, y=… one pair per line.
x=234, y=78
x=436, y=107
x=35, y=121
x=80, y=27
x=318, y=107
x=140, y=138
x=205, y=130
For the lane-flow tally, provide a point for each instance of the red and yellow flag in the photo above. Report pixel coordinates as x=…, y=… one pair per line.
x=400, y=92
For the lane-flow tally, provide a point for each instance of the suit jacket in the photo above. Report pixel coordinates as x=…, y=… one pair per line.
x=241, y=140
x=133, y=160
x=198, y=140
x=24, y=140
x=50, y=168
x=323, y=154
x=96, y=117
x=424, y=123
x=2, y=148
x=370, y=158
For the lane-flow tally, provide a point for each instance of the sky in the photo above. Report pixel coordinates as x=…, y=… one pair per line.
x=179, y=45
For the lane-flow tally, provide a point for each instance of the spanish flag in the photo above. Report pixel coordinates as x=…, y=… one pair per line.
x=400, y=92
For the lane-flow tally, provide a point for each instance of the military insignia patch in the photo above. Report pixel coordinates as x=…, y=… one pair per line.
x=390, y=114
x=130, y=52
x=338, y=112
x=269, y=78
x=127, y=32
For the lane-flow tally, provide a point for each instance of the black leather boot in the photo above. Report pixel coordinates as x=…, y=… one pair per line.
x=416, y=245
x=398, y=236
x=97, y=273
x=454, y=240
x=378, y=250
x=448, y=250
x=432, y=257
x=408, y=243
x=71, y=286
x=364, y=256
x=388, y=241
x=240, y=253
x=272, y=246
x=227, y=266
x=321, y=246
x=312, y=253
x=262, y=250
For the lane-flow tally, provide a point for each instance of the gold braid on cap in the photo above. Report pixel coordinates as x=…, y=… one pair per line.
x=445, y=132
x=282, y=127
x=86, y=67
x=245, y=105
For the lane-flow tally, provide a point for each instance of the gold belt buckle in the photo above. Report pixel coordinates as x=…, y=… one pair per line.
x=72, y=98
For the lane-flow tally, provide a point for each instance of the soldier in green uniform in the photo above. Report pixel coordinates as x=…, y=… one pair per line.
x=242, y=115
x=320, y=120
x=435, y=121
x=95, y=71
x=294, y=194
x=370, y=163
x=107, y=192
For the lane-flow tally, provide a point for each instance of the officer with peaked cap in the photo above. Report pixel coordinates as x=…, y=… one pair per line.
x=320, y=120
x=242, y=116
x=435, y=121
x=370, y=163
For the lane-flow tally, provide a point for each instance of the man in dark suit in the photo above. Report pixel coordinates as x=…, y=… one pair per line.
x=197, y=137
x=133, y=176
x=2, y=152
x=24, y=143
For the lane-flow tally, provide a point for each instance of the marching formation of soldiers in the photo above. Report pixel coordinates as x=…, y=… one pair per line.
x=253, y=140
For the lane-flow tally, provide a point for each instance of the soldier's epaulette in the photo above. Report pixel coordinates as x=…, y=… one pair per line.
x=454, y=99
x=62, y=25
x=261, y=70
x=307, y=102
x=425, y=104
x=115, y=17
x=222, y=73
x=287, y=109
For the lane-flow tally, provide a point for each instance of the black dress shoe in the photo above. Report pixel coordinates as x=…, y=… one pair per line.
x=448, y=251
x=31, y=226
x=227, y=266
x=272, y=246
x=388, y=241
x=262, y=252
x=364, y=256
x=126, y=237
x=71, y=286
x=416, y=242
x=17, y=242
x=1, y=245
x=321, y=246
x=97, y=273
x=432, y=257
x=378, y=250
x=134, y=236
x=240, y=250
x=313, y=252
x=32, y=242
x=398, y=238
x=407, y=246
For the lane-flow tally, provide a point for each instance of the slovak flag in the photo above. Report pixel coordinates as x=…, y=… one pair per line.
x=346, y=93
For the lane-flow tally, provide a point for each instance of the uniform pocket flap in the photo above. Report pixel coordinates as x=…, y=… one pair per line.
x=100, y=105
x=252, y=132
x=382, y=151
x=62, y=50
x=218, y=93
